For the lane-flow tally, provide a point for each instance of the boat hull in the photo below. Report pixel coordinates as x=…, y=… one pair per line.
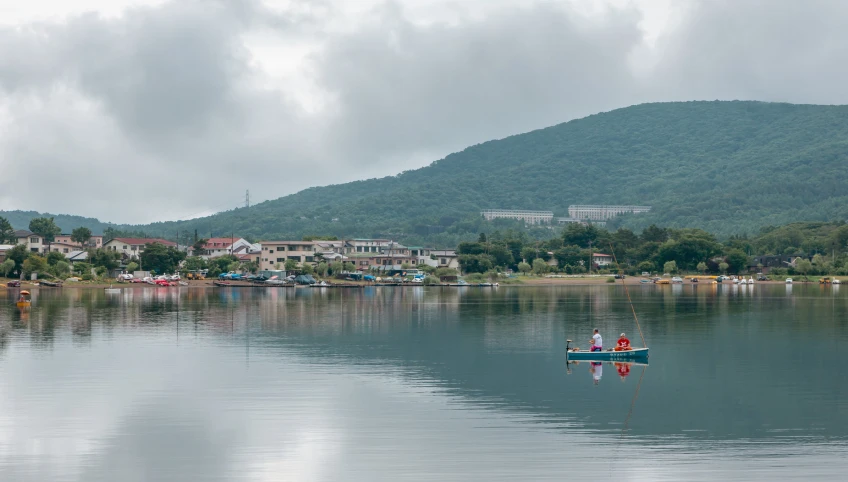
x=634, y=354
x=23, y=304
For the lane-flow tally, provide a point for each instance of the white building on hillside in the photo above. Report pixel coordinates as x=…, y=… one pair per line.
x=529, y=217
x=601, y=212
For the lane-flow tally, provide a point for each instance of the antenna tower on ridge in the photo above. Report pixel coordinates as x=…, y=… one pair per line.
x=247, y=198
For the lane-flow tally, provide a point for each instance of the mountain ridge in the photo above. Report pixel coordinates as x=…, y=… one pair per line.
x=729, y=167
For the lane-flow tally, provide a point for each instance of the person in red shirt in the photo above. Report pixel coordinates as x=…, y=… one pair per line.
x=623, y=343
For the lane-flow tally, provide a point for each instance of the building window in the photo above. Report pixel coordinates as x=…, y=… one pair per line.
x=281, y=260
x=443, y=261
x=125, y=246
x=310, y=259
x=33, y=240
x=271, y=252
x=296, y=258
x=65, y=250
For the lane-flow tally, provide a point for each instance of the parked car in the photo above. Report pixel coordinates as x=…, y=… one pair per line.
x=417, y=280
x=762, y=278
x=13, y=284
x=125, y=277
x=230, y=275
x=619, y=276
x=677, y=279
x=369, y=277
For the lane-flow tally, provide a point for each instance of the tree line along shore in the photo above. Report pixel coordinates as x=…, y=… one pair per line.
x=510, y=256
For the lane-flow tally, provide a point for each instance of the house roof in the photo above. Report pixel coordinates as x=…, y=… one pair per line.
x=220, y=242
x=602, y=255
x=76, y=256
x=305, y=243
x=141, y=241
x=23, y=233
x=59, y=243
x=443, y=252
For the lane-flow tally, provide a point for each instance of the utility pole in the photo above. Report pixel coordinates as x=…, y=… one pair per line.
x=591, y=257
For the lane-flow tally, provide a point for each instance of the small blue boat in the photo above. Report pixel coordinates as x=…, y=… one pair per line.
x=608, y=355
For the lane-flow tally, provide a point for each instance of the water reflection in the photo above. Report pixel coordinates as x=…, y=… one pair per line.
x=330, y=384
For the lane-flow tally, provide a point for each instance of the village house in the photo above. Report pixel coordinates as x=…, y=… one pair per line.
x=330, y=251
x=445, y=258
x=215, y=247
x=601, y=259
x=3, y=249
x=32, y=241
x=249, y=257
x=389, y=262
x=275, y=253
x=362, y=246
x=77, y=257
x=64, y=248
x=96, y=241
x=129, y=247
x=62, y=243
x=338, y=247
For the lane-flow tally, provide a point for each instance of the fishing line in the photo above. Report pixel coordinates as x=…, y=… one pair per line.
x=628, y=299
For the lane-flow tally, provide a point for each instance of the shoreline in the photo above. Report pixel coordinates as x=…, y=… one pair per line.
x=522, y=282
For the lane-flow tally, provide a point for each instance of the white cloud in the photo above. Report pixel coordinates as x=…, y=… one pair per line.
x=176, y=107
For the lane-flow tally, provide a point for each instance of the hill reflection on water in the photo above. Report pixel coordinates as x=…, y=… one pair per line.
x=726, y=362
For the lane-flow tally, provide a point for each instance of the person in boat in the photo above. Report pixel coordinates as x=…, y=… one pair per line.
x=623, y=344
x=597, y=342
x=21, y=298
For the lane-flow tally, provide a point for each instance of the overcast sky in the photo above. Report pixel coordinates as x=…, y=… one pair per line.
x=138, y=111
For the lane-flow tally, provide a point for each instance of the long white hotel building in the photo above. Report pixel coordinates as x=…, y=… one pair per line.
x=529, y=217
x=594, y=212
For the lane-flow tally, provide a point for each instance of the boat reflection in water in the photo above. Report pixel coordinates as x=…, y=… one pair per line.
x=596, y=368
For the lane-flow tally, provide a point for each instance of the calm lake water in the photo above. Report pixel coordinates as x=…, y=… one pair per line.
x=387, y=384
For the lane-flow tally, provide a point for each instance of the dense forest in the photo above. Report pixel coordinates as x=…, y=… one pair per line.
x=821, y=248
x=726, y=167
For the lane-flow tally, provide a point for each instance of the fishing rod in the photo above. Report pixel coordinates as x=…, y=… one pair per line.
x=644, y=343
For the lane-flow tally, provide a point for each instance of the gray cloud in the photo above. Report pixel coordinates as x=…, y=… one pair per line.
x=163, y=112
x=756, y=49
x=440, y=87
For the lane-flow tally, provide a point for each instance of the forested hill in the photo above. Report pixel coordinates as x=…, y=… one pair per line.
x=726, y=167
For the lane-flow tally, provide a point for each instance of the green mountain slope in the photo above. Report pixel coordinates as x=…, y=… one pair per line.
x=21, y=219
x=727, y=167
